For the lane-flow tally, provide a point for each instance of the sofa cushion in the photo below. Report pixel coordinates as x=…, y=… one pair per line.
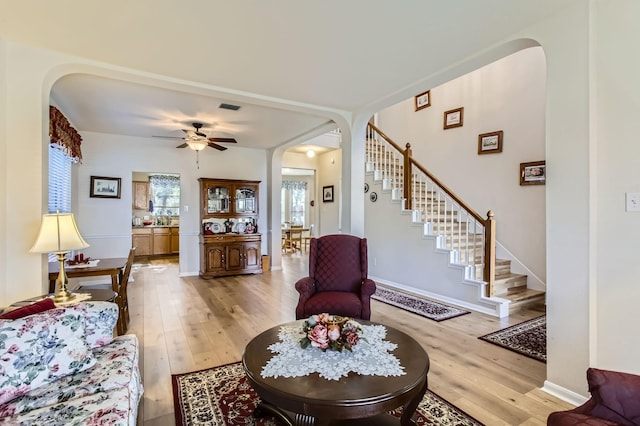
x=41, y=348
x=34, y=308
x=100, y=321
x=116, y=372
x=616, y=395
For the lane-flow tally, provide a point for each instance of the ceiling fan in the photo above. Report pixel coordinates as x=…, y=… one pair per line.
x=198, y=141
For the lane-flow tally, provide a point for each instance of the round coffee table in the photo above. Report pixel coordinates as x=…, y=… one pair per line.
x=312, y=400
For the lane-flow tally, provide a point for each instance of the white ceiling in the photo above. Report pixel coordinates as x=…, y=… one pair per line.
x=291, y=65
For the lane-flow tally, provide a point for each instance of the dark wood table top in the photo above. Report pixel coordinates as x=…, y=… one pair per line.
x=352, y=397
x=103, y=295
x=103, y=267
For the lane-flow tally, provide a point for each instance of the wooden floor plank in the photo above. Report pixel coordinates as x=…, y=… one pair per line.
x=188, y=324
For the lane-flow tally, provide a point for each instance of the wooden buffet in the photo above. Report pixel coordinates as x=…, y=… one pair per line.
x=229, y=251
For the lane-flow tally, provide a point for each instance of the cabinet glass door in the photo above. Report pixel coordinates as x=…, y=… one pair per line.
x=246, y=200
x=218, y=200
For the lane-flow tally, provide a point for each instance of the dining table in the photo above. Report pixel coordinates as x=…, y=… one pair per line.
x=286, y=234
x=111, y=266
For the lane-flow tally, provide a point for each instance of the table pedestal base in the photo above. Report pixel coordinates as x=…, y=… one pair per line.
x=296, y=419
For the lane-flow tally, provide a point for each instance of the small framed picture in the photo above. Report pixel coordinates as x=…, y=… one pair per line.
x=105, y=187
x=327, y=194
x=490, y=143
x=423, y=100
x=533, y=173
x=453, y=118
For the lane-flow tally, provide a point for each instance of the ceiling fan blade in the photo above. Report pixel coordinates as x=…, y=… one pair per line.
x=167, y=137
x=190, y=133
x=202, y=135
x=184, y=145
x=216, y=146
x=225, y=140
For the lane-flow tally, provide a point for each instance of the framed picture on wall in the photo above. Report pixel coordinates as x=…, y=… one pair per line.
x=105, y=187
x=327, y=194
x=490, y=143
x=423, y=100
x=453, y=118
x=533, y=173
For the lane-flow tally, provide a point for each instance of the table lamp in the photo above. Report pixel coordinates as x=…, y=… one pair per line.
x=59, y=235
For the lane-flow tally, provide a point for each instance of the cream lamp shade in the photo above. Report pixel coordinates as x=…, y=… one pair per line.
x=58, y=234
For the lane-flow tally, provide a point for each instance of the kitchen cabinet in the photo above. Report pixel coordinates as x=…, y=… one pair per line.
x=230, y=254
x=142, y=241
x=227, y=198
x=161, y=241
x=154, y=241
x=141, y=195
x=174, y=246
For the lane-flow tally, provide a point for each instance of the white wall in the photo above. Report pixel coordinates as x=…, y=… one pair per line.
x=507, y=95
x=615, y=162
x=3, y=166
x=106, y=223
x=329, y=173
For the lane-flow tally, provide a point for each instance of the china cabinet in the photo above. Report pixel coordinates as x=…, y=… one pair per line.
x=227, y=250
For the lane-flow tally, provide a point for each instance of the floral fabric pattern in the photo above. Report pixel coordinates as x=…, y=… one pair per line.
x=41, y=348
x=108, y=393
x=100, y=320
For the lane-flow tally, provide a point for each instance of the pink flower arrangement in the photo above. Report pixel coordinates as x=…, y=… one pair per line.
x=332, y=332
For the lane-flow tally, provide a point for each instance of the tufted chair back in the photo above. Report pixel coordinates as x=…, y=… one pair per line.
x=338, y=262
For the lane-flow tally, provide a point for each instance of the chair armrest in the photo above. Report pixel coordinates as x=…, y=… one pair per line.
x=368, y=288
x=306, y=287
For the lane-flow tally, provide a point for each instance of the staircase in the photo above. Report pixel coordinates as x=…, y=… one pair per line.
x=446, y=219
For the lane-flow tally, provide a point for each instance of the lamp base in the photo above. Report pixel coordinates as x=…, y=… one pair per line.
x=63, y=296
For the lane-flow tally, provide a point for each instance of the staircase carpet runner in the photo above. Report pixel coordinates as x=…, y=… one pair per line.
x=222, y=396
x=426, y=308
x=528, y=338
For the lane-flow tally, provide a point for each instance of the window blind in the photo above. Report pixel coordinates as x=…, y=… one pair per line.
x=59, y=180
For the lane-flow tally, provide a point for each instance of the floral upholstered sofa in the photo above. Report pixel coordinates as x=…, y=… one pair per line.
x=63, y=366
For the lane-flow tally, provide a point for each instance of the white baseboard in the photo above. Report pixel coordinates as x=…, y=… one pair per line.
x=564, y=394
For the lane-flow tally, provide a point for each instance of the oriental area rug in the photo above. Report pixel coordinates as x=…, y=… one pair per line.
x=222, y=396
x=423, y=307
x=528, y=338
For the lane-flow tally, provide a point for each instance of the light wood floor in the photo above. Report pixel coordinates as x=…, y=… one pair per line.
x=188, y=324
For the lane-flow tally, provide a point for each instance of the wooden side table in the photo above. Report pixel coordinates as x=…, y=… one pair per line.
x=96, y=294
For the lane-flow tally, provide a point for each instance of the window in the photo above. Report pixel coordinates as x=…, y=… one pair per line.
x=59, y=180
x=165, y=194
x=293, y=202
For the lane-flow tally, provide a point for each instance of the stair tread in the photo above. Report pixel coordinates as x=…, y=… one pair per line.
x=525, y=294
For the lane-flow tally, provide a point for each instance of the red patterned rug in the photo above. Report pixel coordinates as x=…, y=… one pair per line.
x=418, y=305
x=528, y=338
x=222, y=396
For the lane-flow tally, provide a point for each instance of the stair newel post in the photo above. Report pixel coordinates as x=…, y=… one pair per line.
x=489, y=272
x=408, y=173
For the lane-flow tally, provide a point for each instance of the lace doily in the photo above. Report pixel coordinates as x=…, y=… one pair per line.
x=369, y=357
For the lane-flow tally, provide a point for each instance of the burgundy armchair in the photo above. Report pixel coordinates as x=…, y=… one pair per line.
x=337, y=281
x=615, y=400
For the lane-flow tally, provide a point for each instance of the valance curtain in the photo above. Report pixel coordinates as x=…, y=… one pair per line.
x=63, y=135
x=291, y=185
x=165, y=181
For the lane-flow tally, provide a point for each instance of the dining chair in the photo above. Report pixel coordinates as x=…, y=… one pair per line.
x=307, y=238
x=295, y=238
x=121, y=299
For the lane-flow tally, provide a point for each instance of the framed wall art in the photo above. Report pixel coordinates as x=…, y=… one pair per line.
x=453, y=118
x=423, y=100
x=105, y=187
x=327, y=194
x=533, y=173
x=490, y=143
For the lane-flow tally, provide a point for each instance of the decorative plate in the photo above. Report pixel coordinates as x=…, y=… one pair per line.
x=366, y=187
x=373, y=197
x=216, y=228
x=240, y=227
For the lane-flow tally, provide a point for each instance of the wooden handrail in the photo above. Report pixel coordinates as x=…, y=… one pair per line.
x=489, y=223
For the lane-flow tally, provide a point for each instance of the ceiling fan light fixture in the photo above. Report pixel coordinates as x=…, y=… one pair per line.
x=197, y=145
